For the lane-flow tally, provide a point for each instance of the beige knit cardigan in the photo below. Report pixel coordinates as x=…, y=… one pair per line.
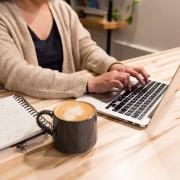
x=19, y=69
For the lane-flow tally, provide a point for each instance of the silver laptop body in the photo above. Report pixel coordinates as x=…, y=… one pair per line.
x=139, y=106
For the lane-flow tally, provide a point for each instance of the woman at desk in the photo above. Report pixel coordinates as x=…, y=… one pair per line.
x=45, y=52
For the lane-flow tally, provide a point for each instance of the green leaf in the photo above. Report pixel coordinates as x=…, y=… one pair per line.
x=115, y=14
x=129, y=20
x=135, y=2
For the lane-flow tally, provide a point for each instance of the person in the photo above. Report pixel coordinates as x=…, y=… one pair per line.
x=45, y=52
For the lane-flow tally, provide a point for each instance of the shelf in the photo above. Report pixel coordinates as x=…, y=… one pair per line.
x=102, y=24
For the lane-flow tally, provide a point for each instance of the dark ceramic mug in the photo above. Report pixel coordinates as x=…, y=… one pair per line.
x=74, y=127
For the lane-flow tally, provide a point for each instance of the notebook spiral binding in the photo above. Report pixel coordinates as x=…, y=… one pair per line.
x=31, y=110
x=25, y=105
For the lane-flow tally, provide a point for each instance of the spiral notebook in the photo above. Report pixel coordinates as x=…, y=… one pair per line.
x=17, y=121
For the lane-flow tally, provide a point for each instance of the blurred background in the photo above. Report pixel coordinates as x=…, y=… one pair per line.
x=155, y=27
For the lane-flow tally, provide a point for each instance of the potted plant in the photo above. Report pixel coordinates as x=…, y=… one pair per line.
x=130, y=8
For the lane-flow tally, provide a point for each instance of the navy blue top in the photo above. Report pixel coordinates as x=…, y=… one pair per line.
x=50, y=51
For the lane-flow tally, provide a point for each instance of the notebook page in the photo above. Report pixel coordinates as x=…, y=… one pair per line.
x=16, y=124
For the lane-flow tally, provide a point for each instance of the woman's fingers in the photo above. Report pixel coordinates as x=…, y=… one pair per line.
x=129, y=87
x=135, y=74
x=143, y=72
x=124, y=78
x=117, y=84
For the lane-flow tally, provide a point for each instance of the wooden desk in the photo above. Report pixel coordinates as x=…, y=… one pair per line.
x=121, y=152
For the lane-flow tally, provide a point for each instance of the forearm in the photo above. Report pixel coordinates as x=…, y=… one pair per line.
x=42, y=83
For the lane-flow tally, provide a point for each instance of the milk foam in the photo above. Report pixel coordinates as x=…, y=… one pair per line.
x=73, y=112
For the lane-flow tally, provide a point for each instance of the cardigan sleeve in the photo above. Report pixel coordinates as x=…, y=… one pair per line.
x=17, y=75
x=92, y=56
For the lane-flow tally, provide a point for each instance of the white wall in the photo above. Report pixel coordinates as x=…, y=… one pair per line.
x=156, y=27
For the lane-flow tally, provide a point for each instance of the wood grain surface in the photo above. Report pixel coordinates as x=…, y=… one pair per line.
x=121, y=152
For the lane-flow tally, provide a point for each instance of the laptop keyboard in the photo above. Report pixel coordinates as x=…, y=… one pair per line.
x=139, y=101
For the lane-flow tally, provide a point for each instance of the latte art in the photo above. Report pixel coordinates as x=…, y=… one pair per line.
x=74, y=111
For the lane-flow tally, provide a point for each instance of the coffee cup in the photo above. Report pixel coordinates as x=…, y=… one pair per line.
x=74, y=126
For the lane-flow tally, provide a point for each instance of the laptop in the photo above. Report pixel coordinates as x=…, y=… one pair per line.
x=140, y=105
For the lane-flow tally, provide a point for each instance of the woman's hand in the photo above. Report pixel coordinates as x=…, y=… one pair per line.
x=138, y=72
x=107, y=81
x=118, y=77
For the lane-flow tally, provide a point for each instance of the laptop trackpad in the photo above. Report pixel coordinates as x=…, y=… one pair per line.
x=107, y=97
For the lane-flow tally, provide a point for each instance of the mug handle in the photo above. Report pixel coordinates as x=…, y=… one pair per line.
x=43, y=123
